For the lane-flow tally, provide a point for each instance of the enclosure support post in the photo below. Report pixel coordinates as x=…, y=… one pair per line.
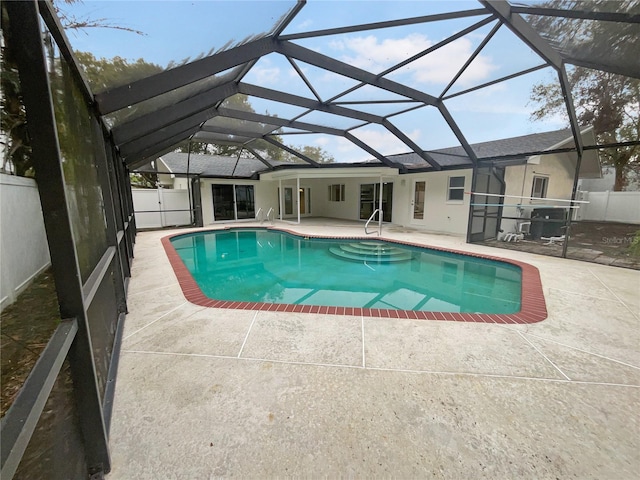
x=280, y=203
x=298, y=190
x=46, y=156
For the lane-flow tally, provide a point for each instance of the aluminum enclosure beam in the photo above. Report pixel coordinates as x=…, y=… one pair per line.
x=281, y=122
x=36, y=93
x=388, y=24
x=524, y=31
x=291, y=151
x=399, y=134
x=163, y=82
x=277, y=96
x=327, y=63
x=133, y=129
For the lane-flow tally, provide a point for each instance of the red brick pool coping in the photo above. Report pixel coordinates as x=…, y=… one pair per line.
x=533, y=307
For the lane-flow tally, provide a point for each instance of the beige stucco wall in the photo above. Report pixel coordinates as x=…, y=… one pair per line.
x=519, y=182
x=440, y=214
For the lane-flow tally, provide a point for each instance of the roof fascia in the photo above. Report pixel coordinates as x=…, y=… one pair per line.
x=140, y=90
x=331, y=170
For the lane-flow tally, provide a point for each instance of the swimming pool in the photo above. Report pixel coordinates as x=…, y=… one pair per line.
x=269, y=269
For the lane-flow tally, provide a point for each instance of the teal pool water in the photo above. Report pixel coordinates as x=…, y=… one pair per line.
x=275, y=267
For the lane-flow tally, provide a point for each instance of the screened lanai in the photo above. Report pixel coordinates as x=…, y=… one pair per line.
x=275, y=81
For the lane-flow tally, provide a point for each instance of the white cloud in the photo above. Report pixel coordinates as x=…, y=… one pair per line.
x=266, y=76
x=304, y=24
x=375, y=55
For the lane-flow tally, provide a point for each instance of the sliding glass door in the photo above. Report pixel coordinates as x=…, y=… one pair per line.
x=370, y=200
x=233, y=202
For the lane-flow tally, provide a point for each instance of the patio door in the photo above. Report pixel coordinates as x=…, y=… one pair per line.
x=305, y=201
x=370, y=200
x=233, y=202
x=417, y=204
x=486, y=211
x=245, y=204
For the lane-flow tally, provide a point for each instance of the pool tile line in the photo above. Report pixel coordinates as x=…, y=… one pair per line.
x=532, y=308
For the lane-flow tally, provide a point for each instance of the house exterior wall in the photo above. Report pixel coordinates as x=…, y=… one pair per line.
x=519, y=182
x=440, y=214
x=262, y=195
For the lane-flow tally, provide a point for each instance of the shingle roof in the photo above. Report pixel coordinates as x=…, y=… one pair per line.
x=213, y=165
x=456, y=156
x=452, y=157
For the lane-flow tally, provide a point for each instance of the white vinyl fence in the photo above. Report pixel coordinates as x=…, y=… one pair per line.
x=160, y=207
x=621, y=207
x=24, y=251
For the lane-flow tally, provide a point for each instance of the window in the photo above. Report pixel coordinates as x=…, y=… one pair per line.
x=336, y=193
x=539, y=188
x=456, y=189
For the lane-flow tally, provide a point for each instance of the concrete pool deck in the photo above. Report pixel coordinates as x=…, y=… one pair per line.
x=206, y=393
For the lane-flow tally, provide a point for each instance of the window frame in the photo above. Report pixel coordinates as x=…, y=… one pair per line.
x=545, y=186
x=337, y=192
x=451, y=189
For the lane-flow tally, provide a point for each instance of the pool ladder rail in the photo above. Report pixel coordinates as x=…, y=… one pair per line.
x=261, y=217
x=366, y=225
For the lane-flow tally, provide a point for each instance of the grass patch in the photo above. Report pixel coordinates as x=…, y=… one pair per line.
x=25, y=328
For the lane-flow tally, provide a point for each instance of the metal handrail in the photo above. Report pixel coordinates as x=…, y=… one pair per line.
x=258, y=215
x=270, y=211
x=379, y=222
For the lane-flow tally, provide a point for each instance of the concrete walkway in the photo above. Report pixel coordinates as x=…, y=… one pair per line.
x=208, y=393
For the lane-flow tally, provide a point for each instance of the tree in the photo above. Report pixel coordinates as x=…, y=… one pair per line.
x=607, y=101
x=13, y=123
x=104, y=73
x=314, y=153
x=14, y=137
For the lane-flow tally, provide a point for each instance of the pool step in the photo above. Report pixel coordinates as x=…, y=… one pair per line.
x=370, y=252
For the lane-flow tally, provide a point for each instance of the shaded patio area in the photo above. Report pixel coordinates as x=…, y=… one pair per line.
x=205, y=392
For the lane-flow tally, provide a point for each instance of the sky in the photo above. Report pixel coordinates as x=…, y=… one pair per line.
x=177, y=30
